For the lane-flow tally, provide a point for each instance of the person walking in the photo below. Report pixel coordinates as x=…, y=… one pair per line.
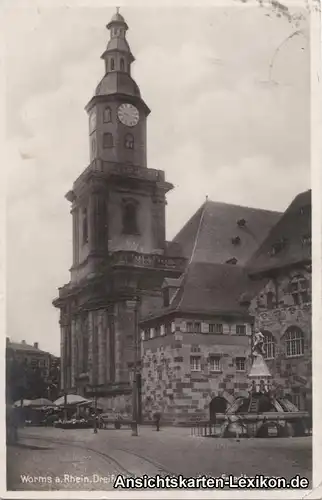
x=157, y=418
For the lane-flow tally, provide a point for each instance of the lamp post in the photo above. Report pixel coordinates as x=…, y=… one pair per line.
x=95, y=414
x=135, y=367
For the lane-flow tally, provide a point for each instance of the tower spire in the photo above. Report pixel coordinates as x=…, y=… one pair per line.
x=118, y=56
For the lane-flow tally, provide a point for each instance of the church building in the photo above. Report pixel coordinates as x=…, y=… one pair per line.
x=175, y=317
x=120, y=255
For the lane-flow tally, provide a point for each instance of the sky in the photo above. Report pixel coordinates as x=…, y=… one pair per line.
x=229, y=95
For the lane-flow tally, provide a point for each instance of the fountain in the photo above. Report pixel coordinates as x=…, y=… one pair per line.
x=261, y=413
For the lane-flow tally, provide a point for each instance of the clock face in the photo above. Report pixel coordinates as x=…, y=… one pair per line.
x=92, y=121
x=128, y=115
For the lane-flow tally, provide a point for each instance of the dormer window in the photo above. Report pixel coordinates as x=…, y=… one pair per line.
x=236, y=240
x=107, y=115
x=129, y=141
x=130, y=209
x=241, y=223
x=232, y=261
x=278, y=246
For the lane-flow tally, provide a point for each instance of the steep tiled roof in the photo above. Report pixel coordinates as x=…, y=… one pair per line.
x=288, y=242
x=212, y=289
x=225, y=232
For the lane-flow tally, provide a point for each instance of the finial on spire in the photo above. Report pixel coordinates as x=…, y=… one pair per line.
x=117, y=10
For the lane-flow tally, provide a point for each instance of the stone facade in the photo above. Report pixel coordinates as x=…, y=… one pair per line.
x=282, y=311
x=183, y=392
x=120, y=254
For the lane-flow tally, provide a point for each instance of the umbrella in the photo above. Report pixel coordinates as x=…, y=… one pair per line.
x=41, y=402
x=72, y=399
x=25, y=402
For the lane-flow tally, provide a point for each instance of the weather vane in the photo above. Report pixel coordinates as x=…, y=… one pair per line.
x=117, y=10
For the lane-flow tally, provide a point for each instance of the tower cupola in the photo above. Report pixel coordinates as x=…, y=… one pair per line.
x=118, y=56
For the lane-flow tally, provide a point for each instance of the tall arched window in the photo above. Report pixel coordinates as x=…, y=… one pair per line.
x=270, y=300
x=269, y=345
x=294, y=342
x=107, y=115
x=130, y=209
x=122, y=64
x=129, y=141
x=112, y=64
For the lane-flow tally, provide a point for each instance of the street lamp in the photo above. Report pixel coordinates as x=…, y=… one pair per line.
x=135, y=369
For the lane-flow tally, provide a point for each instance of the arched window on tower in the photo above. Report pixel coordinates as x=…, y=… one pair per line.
x=129, y=217
x=112, y=64
x=294, y=342
x=122, y=65
x=107, y=140
x=107, y=115
x=269, y=345
x=129, y=141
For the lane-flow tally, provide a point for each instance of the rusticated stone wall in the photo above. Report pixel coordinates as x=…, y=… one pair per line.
x=291, y=375
x=181, y=394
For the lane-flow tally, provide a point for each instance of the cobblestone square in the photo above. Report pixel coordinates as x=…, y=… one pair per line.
x=55, y=459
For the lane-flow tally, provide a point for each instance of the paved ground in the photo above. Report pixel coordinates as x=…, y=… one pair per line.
x=97, y=458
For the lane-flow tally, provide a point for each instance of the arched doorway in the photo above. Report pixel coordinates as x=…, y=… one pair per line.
x=217, y=405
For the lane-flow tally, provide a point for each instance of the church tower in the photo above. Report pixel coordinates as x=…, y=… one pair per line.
x=120, y=254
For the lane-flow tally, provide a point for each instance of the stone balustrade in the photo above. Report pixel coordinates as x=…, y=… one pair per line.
x=124, y=258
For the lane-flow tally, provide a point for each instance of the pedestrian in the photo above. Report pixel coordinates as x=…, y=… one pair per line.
x=157, y=418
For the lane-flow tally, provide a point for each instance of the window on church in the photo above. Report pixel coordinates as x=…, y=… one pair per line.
x=269, y=346
x=129, y=141
x=122, y=66
x=85, y=226
x=130, y=219
x=112, y=64
x=107, y=115
x=294, y=342
x=300, y=290
x=107, y=140
x=195, y=364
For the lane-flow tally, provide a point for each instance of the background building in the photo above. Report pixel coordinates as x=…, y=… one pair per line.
x=30, y=372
